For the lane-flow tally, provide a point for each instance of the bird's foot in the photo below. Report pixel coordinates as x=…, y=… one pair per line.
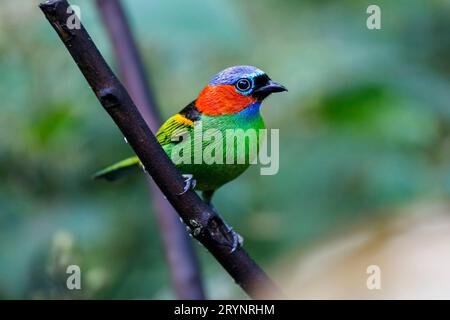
x=189, y=183
x=236, y=239
x=226, y=234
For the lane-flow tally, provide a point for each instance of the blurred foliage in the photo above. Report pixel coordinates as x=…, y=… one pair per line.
x=365, y=126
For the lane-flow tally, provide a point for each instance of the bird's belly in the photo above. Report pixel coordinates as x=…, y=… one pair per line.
x=212, y=177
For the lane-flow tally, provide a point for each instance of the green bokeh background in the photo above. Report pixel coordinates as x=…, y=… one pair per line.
x=364, y=128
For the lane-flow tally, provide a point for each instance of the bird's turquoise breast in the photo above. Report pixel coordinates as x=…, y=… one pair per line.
x=220, y=140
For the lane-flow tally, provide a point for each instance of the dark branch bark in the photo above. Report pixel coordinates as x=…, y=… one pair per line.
x=209, y=226
x=180, y=256
x=129, y=60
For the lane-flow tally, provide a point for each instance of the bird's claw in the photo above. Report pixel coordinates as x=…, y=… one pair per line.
x=223, y=234
x=236, y=238
x=189, y=183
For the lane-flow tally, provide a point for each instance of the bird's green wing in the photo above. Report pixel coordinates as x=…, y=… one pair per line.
x=173, y=129
x=170, y=132
x=178, y=125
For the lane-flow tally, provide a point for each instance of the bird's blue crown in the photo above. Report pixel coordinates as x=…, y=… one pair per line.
x=232, y=74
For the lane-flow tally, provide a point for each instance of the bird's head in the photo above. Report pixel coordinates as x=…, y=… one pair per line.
x=234, y=89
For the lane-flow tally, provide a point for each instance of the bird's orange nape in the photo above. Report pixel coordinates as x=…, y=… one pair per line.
x=217, y=100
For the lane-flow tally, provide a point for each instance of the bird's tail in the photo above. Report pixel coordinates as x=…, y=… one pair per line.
x=118, y=170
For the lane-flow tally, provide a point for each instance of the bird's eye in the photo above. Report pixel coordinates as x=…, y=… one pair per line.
x=243, y=84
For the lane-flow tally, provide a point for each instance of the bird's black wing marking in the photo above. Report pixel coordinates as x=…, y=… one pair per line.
x=190, y=112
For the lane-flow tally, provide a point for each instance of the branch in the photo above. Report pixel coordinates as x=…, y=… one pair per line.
x=129, y=61
x=209, y=227
x=180, y=256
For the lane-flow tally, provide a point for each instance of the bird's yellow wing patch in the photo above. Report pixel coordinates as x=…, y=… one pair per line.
x=183, y=120
x=174, y=128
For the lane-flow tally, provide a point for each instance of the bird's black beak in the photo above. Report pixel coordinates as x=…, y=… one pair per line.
x=270, y=87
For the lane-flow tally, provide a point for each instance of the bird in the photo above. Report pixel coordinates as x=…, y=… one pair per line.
x=231, y=100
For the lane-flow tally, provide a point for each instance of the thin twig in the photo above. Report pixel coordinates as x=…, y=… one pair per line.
x=209, y=227
x=180, y=256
